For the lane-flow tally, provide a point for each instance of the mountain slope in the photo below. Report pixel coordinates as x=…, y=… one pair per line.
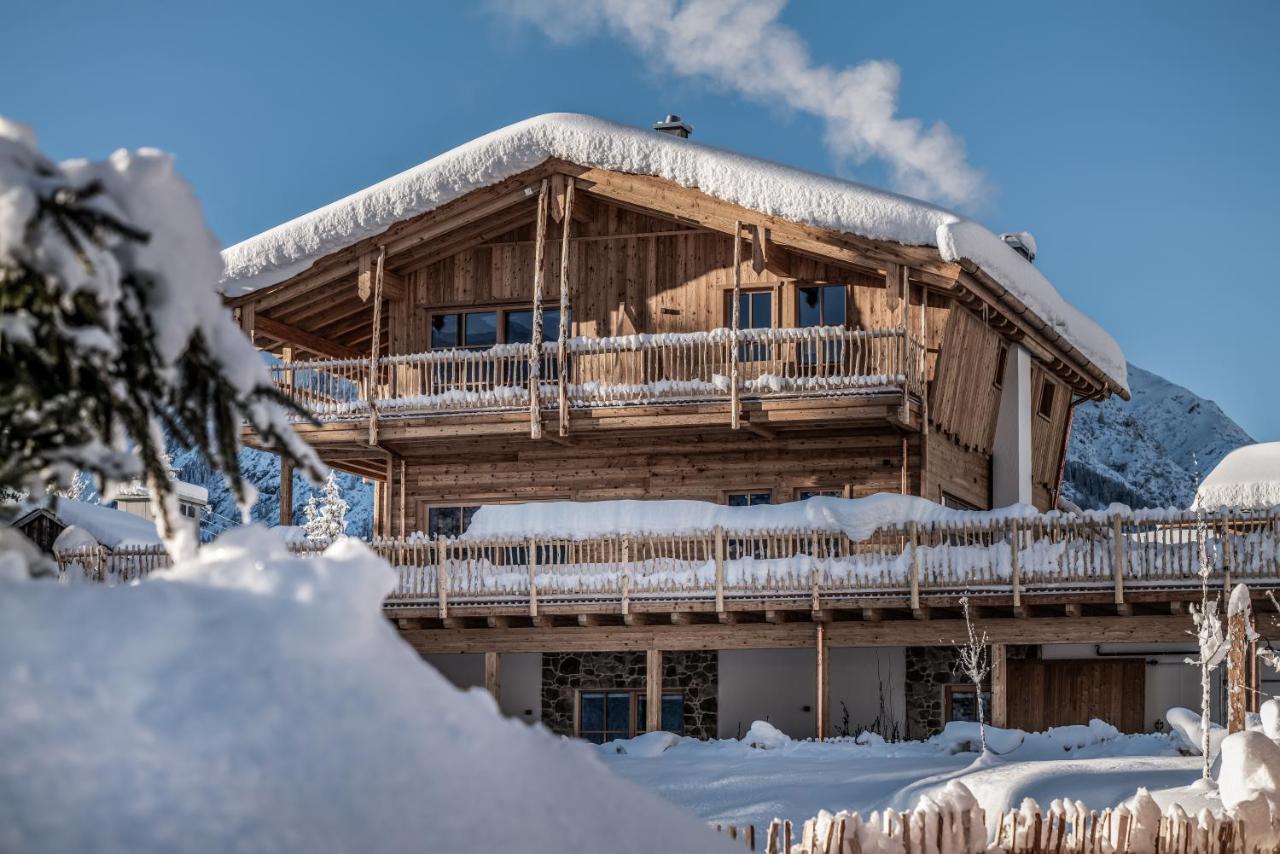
x=1150, y=451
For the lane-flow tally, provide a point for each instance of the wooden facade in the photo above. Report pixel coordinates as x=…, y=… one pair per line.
x=708, y=352
x=648, y=258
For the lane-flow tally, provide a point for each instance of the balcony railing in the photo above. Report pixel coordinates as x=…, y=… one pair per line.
x=1111, y=556
x=625, y=370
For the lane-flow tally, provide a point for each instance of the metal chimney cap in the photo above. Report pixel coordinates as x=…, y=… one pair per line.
x=675, y=126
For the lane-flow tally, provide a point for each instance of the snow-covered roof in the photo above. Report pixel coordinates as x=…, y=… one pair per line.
x=1247, y=478
x=110, y=527
x=760, y=185
x=187, y=491
x=856, y=517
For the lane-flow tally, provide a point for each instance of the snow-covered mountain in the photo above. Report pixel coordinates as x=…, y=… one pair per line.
x=1151, y=451
x=263, y=471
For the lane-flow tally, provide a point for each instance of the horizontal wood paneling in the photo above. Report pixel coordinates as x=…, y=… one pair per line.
x=964, y=473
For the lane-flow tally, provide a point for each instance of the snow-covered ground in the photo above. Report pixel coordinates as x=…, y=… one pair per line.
x=249, y=700
x=731, y=782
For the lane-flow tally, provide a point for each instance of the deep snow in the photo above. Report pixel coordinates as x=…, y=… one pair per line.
x=249, y=700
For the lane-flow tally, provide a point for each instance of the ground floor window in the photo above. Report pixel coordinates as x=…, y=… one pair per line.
x=750, y=498
x=449, y=521
x=802, y=494
x=606, y=715
x=962, y=703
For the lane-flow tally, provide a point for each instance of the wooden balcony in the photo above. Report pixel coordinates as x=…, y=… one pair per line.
x=1147, y=563
x=719, y=366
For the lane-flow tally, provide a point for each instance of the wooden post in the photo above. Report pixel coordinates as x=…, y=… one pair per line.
x=823, y=675
x=533, y=583
x=915, y=566
x=719, y=570
x=442, y=577
x=493, y=675
x=388, y=496
x=1015, y=547
x=374, y=347
x=562, y=354
x=999, y=686
x=535, y=346
x=1118, y=559
x=736, y=321
x=653, y=690
x=1255, y=680
x=1238, y=631
x=286, y=492
x=403, y=491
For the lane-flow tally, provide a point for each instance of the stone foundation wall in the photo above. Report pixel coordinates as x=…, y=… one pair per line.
x=694, y=673
x=930, y=669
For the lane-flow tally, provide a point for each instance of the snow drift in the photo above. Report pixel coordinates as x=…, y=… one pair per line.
x=1247, y=478
x=253, y=701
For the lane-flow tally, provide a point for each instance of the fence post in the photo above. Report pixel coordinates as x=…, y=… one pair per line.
x=1016, y=565
x=626, y=593
x=1118, y=559
x=913, y=528
x=442, y=577
x=533, y=584
x=719, y=570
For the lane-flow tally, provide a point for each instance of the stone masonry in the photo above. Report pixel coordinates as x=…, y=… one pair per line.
x=694, y=673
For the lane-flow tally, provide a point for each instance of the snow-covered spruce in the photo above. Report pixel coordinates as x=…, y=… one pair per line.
x=327, y=515
x=253, y=701
x=760, y=185
x=112, y=324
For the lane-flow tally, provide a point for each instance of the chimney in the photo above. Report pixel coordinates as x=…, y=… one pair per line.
x=674, y=126
x=1021, y=242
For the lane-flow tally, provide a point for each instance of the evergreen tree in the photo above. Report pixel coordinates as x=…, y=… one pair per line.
x=113, y=331
x=327, y=517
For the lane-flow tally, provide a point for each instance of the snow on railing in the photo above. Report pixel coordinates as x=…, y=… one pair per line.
x=630, y=369
x=1049, y=553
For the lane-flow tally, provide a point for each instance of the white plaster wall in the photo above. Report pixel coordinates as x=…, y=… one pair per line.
x=1169, y=681
x=521, y=679
x=1011, y=452
x=778, y=685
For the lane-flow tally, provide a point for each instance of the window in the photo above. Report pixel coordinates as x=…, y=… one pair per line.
x=605, y=715
x=1002, y=359
x=1047, y=394
x=748, y=499
x=478, y=330
x=962, y=703
x=821, y=305
x=755, y=311
x=449, y=521
x=802, y=494
x=956, y=503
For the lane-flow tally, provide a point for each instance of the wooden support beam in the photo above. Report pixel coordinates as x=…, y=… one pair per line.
x=493, y=675
x=499, y=621
x=301, y=338
x=286, y=492
x=872, y=615
x=1076, y=610
x=681, y=618
x=1238, y=631
x=653, y=690
x=999, y=685
x=535, y=346
x=735, y=319
x=393, y=284
x=543, y=637
x=823, y=686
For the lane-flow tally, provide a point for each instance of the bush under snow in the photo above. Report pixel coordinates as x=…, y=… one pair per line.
x=249, y=700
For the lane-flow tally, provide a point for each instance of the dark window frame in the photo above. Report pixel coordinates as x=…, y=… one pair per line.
x=801, y=287
x=949, y=692
x=1002, y=362
x=500, y=313
x=1048, y=400
x=635, y=721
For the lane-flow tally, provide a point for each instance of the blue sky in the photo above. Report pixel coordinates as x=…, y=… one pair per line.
x=1136, y=140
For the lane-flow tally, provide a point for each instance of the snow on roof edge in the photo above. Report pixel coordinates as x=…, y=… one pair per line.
x=761, y=185
x=1246, y=478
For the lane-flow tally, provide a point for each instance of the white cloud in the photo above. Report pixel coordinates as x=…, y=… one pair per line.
x=742, y=46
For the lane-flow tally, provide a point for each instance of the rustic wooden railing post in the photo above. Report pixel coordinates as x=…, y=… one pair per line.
x=626, y=593
x=736, y=322
x=1015, y=559
x=1238, y=632
x=535, y=346
x=562, y=354
x=533, y=583
x=719, y=559
x=914, y=532
x=442, y=576
x=1117, y=533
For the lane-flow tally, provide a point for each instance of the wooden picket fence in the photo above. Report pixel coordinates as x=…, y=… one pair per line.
x=1072, y=829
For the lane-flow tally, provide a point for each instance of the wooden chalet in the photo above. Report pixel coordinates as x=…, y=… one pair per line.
x=597, y=312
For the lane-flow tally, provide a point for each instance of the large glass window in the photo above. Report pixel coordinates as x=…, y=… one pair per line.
x=605, y=715
x=821, y=305
x=449, y=521
x=755, y=311
x=518, y=325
